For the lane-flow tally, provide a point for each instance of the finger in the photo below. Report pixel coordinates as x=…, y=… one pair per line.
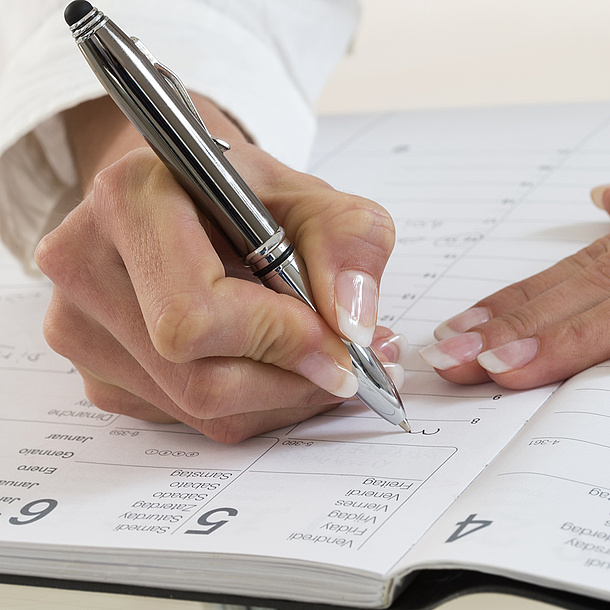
x=558, y=352
x=228, y=429
x=113, y=399
x=191, y=310
x=520, y=293
x=601, y=196
x=191, y=392
x=344, y=240
x=236, y=428
x=459, y=356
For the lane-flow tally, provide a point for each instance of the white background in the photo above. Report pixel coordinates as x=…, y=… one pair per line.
x=443, y=53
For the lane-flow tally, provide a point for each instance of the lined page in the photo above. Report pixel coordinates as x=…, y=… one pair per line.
x=541, y=511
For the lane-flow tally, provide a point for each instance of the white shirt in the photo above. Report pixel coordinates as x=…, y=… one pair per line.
x=263, y=61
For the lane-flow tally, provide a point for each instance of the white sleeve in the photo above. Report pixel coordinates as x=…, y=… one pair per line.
x=263, y=62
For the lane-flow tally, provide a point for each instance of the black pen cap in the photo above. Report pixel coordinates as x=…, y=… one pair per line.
x=76, y=10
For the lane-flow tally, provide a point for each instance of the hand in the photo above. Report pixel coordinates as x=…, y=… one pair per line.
x=163, y=328
x=541, y=330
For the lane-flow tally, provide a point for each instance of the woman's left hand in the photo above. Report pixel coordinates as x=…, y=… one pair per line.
x=537, y=331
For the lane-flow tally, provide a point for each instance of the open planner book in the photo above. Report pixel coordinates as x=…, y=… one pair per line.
x=343, y=508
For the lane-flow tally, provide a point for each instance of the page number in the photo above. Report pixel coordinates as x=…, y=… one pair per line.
x=34, y=511
x=468, y=526
x=209, y=523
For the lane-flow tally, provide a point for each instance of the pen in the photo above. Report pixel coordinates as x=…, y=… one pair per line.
x=158, y=105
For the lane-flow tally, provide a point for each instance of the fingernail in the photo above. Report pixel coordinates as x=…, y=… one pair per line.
x=395, y=348
x=396, y=373
x=453, y=351
x=462, y=322
x=597, y=194
x=328, y=374
x=356, y=306
x=510, y=356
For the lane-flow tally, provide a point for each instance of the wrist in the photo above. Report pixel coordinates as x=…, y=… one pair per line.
x=100, y=134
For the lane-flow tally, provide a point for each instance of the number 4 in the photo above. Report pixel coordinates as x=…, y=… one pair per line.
x=468, y=526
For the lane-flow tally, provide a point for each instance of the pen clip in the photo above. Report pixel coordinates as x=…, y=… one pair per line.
x=172, y=79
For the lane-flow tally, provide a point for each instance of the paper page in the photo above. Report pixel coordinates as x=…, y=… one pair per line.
x=541, y=512
x=480, y=198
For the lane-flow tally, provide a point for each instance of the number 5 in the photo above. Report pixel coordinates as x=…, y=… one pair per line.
x=212, y=526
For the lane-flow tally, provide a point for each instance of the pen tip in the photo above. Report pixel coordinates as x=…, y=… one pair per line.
x=404, y=424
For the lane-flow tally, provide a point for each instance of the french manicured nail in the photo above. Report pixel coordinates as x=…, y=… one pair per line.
x=597, y=194
x=453, y=351
x=462, y=322
x=356, y=306
x=396, y=373
x=510, y=356
x=328, y=374
x=395, y=348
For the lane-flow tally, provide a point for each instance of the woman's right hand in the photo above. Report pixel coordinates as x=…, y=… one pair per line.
x=164, y=323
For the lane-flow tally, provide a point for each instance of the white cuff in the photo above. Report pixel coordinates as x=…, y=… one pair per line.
x=215, y=55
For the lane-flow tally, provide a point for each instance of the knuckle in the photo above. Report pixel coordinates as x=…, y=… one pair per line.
x=180, y=324
x=524, y=291
x=64, y=255
x=57, y=257
x=56, y=330
x=227, y=430
x=366, y=222
x=598, y=272
x=518, y=323
x=591, y=253
x=579, y=333
x=365, y=226
x=282, y=340
x=210, y=392
x=107, y=185
x=44, y=254
x=269, y=340
x=132, y=173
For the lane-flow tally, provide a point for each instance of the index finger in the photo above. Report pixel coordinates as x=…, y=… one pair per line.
x=344, y=240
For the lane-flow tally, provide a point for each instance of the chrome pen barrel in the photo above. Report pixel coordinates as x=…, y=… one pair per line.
x=373, y=381
x=156, y=109
x=277, y=265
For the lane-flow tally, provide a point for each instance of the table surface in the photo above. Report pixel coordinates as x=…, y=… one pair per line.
x=439, y=53
x=35, y=598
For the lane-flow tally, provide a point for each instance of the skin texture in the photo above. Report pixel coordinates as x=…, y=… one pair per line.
x=541, y=330
x=160, y=318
